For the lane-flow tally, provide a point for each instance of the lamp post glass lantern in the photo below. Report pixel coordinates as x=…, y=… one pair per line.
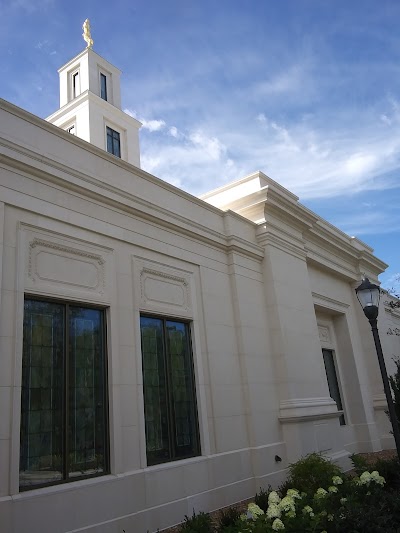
x=368, y=295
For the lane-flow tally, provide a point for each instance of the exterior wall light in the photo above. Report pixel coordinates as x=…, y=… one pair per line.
x=368, y=295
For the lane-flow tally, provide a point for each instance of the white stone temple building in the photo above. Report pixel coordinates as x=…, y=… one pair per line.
x=160, y=352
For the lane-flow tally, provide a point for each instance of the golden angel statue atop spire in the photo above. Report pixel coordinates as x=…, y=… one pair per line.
x=86, y=33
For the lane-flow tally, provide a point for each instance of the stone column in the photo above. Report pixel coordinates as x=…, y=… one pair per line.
x=309, y=417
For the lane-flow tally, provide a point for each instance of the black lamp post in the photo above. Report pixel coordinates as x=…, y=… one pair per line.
x=368, y=295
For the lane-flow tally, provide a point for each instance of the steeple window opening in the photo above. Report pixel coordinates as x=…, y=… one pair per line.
x=113, y=142
x=75, y=84
x=103, y=86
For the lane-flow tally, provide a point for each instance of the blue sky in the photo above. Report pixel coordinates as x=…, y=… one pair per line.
x=308, y=91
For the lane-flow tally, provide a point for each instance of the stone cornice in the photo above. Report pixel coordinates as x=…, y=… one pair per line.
x=88, y=147
x=267, y=235
x=91, y=97
x=89, y=51
x=48, y=170
x=332, y=304
x=279, y=213
x=123, y=201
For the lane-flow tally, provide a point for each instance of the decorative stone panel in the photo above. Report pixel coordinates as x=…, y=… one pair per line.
x=59, y=265
x=324, y=334
x=163, y=288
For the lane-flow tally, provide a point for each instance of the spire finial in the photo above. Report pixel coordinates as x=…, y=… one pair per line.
x=86, y=34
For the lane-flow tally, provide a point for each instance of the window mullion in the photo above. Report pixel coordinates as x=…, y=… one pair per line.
x=66, y=393
x=167, y=361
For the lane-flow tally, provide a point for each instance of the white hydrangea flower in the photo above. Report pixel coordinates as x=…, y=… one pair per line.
x=274, y=511
x=293, y=493
x=277, y=525
x=274, y=497
x=332, y=489
x=343, y=500
x=330, y=517
x=308, y=510
x=254, y=509
x=287, y=504
x=365, y=478
x=337, y=480
x=377, y=478
x=321, y=493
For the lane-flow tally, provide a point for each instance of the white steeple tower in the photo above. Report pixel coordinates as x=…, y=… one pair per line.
x=90, y=104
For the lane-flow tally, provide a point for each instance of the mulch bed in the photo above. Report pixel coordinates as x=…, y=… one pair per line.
x=370, y=458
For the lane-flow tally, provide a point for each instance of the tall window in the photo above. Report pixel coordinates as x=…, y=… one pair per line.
x=64, y=399
x=103, y=86
x=333, y=382
x=169, y=391
x=113, y=142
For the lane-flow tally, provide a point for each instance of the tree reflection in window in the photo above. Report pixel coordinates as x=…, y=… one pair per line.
x=169, y=392
x=63, y=408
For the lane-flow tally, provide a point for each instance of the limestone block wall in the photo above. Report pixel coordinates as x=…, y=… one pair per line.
x=75, y=236
x=78, y=225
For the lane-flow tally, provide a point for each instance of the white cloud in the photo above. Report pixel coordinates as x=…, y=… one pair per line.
x=191, y=161
x=367, y=222
x=130, y=113
x=151, y=125
x=360, y=164
x=173, y=131
x=289, y=80
x=210, y=145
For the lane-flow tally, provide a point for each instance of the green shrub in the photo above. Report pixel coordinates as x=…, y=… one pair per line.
x=261, y=498
x=395, y=385
x=359, y=463
x=376, y=511
x=390, y=470
x=311, y=472
x=198, y=523
x=227, y=520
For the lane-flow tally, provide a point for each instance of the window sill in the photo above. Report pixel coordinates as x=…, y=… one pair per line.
x=63, y=487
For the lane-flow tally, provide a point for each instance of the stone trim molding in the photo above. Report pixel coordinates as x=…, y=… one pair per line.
x=379, y=402
x=306, y=409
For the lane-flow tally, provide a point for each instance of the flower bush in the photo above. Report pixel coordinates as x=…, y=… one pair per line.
x=322, y=510
x=341, y=504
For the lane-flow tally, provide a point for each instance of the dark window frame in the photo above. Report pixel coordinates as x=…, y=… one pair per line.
x=103, y=86
x=334, y=386
x=75, y=84
x=106, y=470
x=113, y=142
x=171, y=422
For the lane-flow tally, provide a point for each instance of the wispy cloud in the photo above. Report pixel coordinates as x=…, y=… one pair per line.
x=151, y=125
x=30, y=6
x=371, y=222
x=308, y=158
x=288, y=80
